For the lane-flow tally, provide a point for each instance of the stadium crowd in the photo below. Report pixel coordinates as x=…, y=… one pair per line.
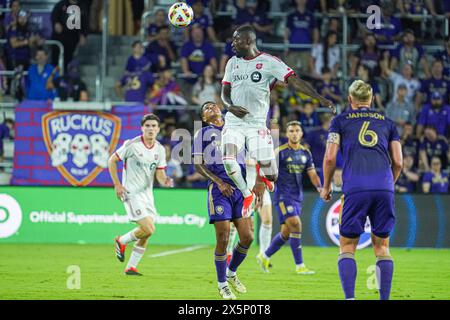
x=411, y=83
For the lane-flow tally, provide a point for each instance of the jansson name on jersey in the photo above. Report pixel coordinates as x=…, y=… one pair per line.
x=372, y=115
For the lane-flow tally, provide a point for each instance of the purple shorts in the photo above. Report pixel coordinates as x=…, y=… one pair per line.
x=377, y=205
x=288, y=208
x=222, y=208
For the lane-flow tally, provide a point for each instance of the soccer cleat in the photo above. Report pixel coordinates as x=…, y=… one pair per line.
x=269, y=184
x=303, y=270
x=120, y=249
x=236, y=284
x=226, y=293
x=132, y=272
x=263, y=263
x=247, y=206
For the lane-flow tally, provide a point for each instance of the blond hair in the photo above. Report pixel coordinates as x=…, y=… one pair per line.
x=360, y=91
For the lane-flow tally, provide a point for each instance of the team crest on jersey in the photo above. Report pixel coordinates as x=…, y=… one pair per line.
x=79, y=143
x=259, y=66
x=256, y=76
x=219, y=210
x=303, y=159
x=332, y=224
x=290, y=209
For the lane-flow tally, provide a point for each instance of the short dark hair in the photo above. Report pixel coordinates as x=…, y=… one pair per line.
x=40, y=48
x=203, y=106
x=247, y=29
x=135, y=43
x=150, y=116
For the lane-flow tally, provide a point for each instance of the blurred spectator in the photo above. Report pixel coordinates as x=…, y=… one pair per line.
x=226, y=55
x=325, y=54
x=410, y=144
x=6, y=132
x=196, y=54
x=164, y=48
x=408, y=52
x=173, y=168
x=136, y=86
x=70, y=38
x=166, y=91
x=368, y=55
x=249, y=12
x=20, y=40
x=10, y=18
x=153, y=27
x=137, y=6
x=435, y=114
x=317, y=141
x=39, y=78
x=308, y=117
x=406, y=78
x=363, y=74
x=195, y=179
x=417, y=7
x=408, y=178
x=436, y=180
x=433, y=145
x=3, y=79
x=436, y=83
x=400, y=110
x=391, y=27
x=301, y=28
x=444, y=56
x=337, y=180
x=70, y=86
x=328, y=88
x=137, y=62
x=206, y=88
x=202, y=19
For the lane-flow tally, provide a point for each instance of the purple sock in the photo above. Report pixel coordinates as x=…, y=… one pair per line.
x=385, y=270
x=220, y=261
x=277, y=242
x=296, y=246
x=347, y=273
x=239, y=254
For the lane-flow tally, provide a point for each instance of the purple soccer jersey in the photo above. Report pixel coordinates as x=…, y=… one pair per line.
x=137, y=86
x=21, y=53
x=389, y=28
x=428, y=86
x=437, y=148
x=207, y=143
x=364, y=142
x=137, y=65
x=198, y=56
x=438, y=118
x=301, y=26
x=438, y=184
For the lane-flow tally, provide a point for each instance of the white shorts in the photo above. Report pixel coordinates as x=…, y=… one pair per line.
x=138, y=208
x=257, y=140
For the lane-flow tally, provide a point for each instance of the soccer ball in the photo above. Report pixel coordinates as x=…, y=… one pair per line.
x=180, y=14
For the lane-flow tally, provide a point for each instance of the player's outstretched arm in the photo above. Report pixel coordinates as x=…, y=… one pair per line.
x=306, y=88
x=200, y=167
x=395, y=150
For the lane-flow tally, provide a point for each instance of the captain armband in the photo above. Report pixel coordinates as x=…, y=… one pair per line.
x=334, y=137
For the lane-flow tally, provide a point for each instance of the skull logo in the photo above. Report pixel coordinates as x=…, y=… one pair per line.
x=60, y=149
x=80, y=149
x=100, y=150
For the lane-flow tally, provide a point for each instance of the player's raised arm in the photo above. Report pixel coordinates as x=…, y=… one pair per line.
x=395, y=151
x=306, y=88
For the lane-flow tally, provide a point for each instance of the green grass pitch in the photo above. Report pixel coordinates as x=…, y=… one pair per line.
x=40, y=272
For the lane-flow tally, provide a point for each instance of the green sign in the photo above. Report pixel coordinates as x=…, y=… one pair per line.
x=95, y=215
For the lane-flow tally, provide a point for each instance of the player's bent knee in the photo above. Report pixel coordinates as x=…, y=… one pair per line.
x=247, y=239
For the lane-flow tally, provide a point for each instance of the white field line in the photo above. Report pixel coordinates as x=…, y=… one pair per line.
x=170, y=252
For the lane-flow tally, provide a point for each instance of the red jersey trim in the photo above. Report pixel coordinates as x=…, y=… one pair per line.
x=148, y=147
x=226, y=82
x=161, y=168
x=290, y=73
x=117, y=155
x=276, y=58
x=248, y=59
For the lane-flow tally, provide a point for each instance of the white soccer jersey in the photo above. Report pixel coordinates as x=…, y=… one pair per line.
x=251, y=81
x=140, y=165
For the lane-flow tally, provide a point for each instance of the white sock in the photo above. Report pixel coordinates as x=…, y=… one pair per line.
x=264, y=256
x=230, y=273
x=265, y=236
x=128, y=237
x=231, y=239
x=300, y=265
x=222, y=284
x=234, y=172
x=135, y=257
